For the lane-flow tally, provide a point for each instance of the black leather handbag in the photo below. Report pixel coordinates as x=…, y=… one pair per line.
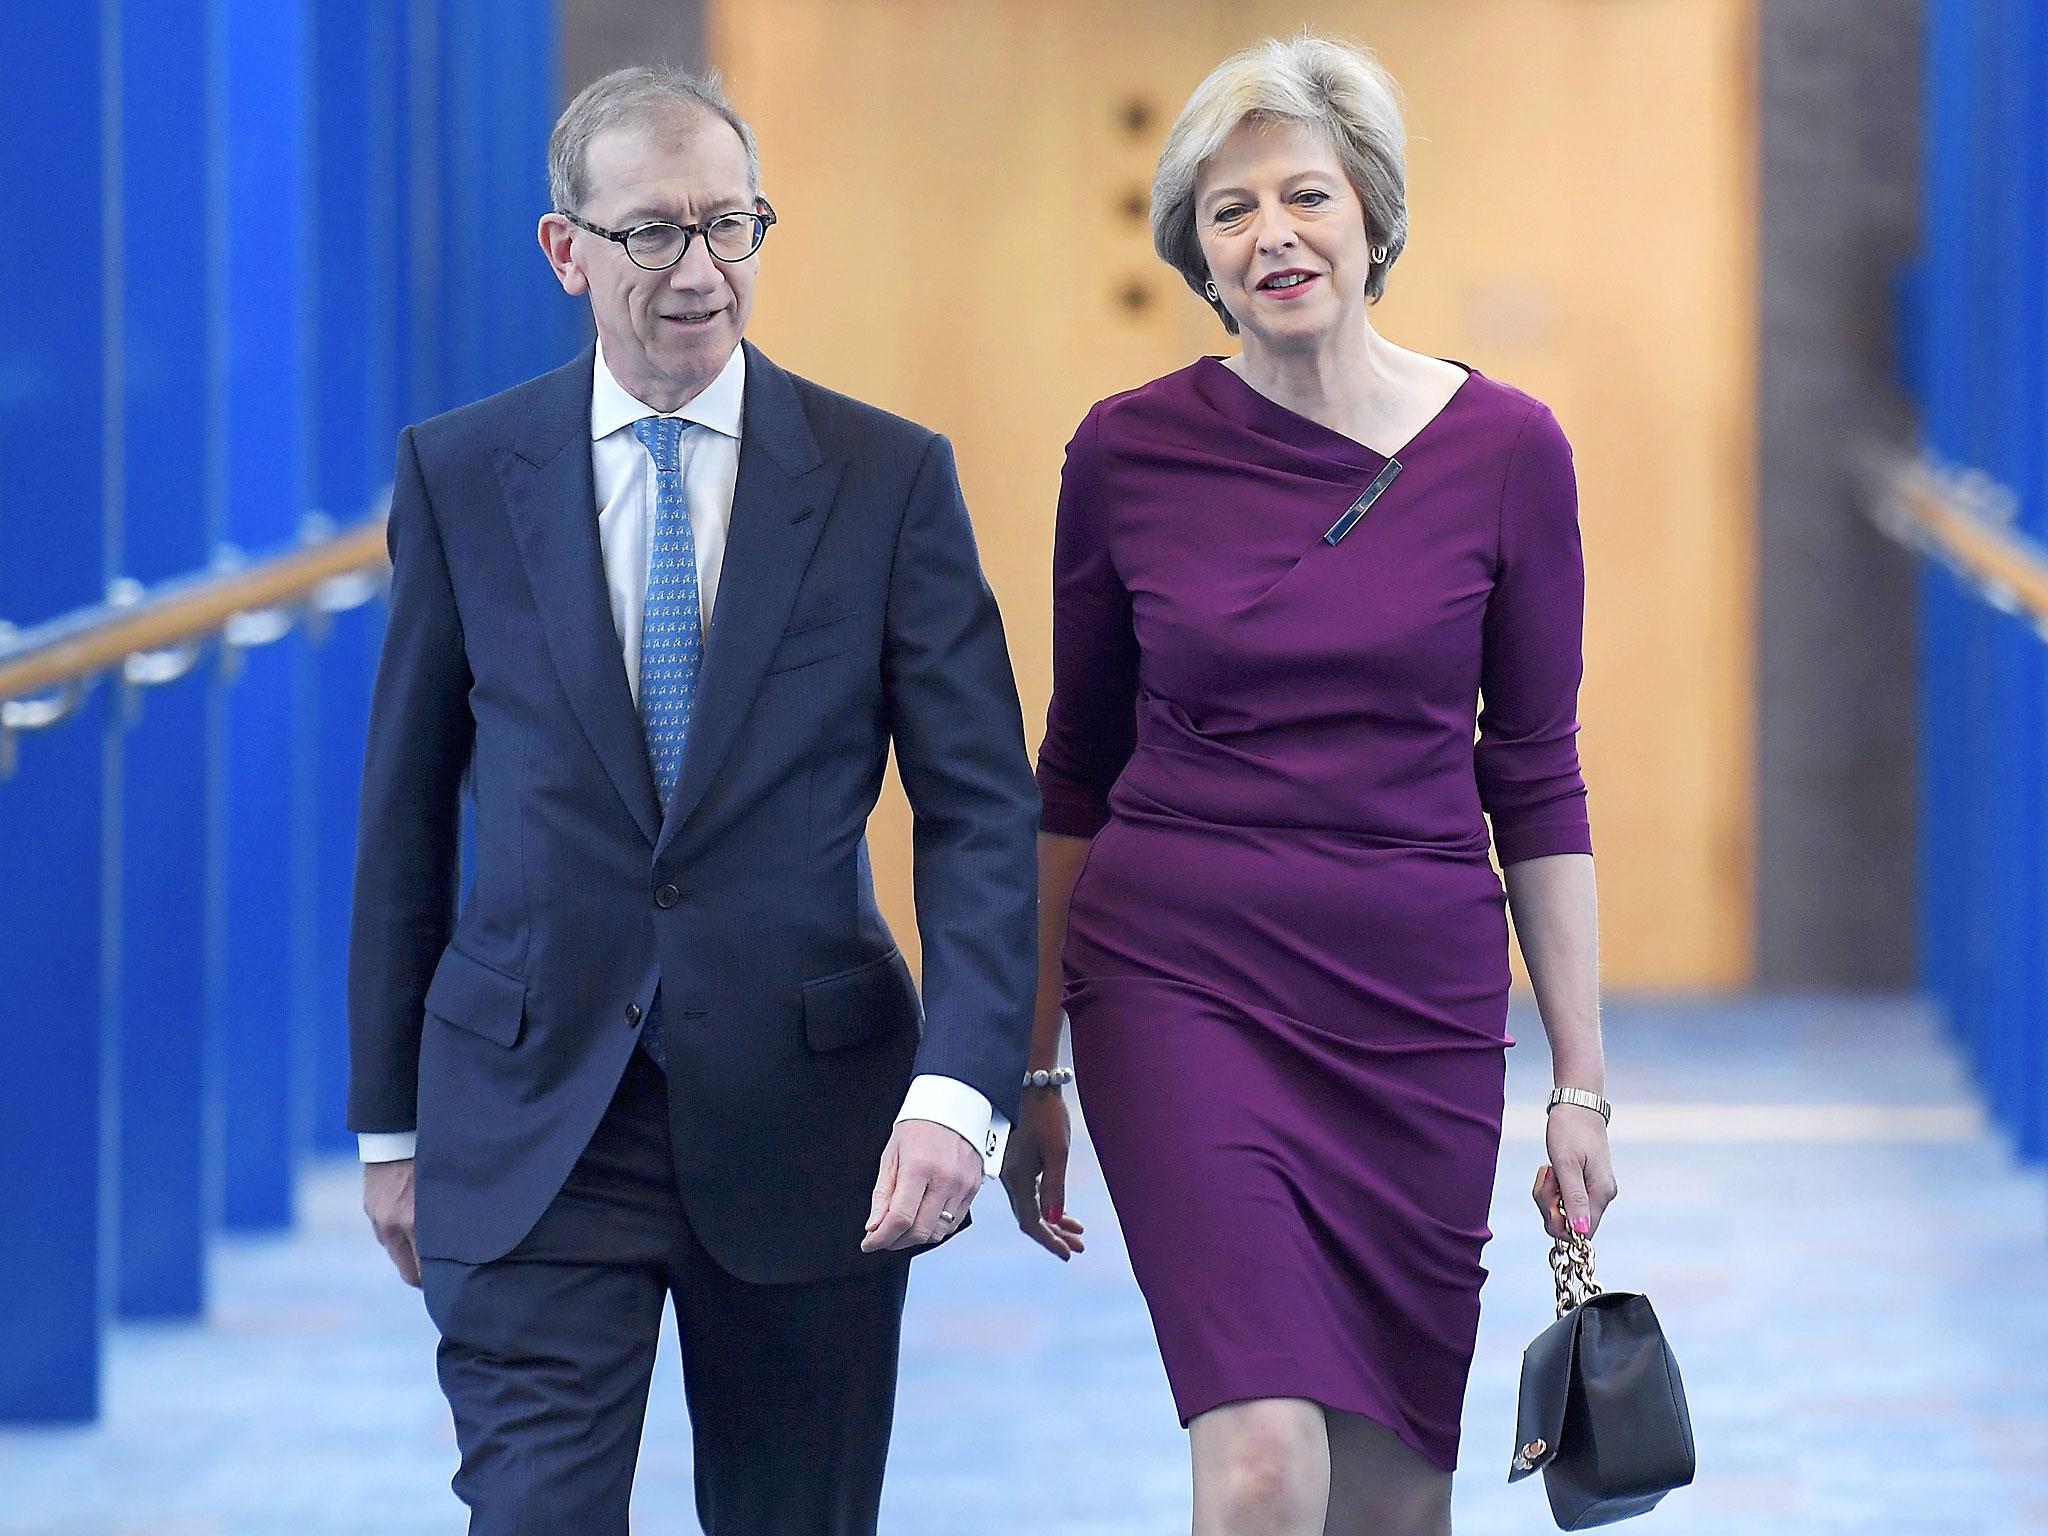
x=1602, y=1411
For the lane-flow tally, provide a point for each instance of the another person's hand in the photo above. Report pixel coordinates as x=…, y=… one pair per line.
x=1035, y=1174
x=930, y=1174
x=387, y=1201
x=1580, y=1172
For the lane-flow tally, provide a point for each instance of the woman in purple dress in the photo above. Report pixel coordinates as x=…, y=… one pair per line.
x=1284, y=583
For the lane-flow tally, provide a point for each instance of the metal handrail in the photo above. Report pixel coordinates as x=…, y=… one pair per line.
x=1968, y=521
x=152, y=637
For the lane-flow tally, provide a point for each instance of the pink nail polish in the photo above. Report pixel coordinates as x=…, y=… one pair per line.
x=1052, y=1214
x=1582, y=1226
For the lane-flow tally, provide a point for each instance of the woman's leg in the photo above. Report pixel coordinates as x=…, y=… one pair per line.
x=1262, y=1468
x=1381, y=1486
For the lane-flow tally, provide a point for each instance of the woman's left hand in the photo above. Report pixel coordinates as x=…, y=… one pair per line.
x=1580, y=1171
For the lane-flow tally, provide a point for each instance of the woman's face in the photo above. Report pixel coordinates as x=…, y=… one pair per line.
x=1283, y=232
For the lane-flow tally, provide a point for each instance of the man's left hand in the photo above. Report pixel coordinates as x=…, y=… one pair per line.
x=930, y=1174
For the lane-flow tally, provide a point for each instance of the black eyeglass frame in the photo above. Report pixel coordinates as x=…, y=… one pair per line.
x=763, y=216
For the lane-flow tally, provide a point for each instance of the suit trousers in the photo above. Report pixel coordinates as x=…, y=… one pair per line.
x=546, y=1356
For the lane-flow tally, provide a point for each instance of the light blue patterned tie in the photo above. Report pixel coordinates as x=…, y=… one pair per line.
x=671, y=634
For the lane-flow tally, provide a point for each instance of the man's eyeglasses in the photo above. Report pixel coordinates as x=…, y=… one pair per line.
x=659, y=245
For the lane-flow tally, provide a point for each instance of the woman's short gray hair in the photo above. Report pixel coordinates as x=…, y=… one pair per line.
x=1340, y=90
x=641, y=93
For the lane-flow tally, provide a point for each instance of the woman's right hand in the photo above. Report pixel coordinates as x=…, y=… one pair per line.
x=1035, y=1173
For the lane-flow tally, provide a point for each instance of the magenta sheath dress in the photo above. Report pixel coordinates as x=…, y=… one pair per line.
x=1286, y=962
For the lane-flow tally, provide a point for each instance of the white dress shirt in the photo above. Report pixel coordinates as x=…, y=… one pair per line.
x=624, y=471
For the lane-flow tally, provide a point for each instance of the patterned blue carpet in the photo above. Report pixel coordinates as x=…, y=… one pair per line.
x=1852, y=1269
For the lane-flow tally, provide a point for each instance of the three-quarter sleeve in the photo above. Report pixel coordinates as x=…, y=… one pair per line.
x=1527, y=757
x=1091, y=723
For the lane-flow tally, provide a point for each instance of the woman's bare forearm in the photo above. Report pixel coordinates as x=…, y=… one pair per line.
x=1059, y=865
x=1557, y=924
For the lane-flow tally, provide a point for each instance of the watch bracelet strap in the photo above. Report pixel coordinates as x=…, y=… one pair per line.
x=1583, y=1098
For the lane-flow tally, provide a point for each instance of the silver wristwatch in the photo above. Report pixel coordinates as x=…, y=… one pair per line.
x=1584, y=1099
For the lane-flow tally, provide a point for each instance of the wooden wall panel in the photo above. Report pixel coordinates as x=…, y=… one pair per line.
x=960, y=243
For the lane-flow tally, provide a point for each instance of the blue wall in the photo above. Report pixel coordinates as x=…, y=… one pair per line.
x=53, y=410
x=156, y=507
x=252, y=264
x=1978, y=308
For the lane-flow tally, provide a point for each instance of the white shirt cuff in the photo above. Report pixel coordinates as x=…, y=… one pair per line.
x=386, y=1146
x=949, y=1102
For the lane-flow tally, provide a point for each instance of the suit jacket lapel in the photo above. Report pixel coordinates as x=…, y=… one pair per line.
x=551, y=498
x=778, y=510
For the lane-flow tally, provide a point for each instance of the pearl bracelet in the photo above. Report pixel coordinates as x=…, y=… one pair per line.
x=1049, y=1077
x=1583, y=1098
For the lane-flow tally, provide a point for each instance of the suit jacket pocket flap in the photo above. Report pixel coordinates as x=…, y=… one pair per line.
x=812, y=642
x=865, y=1003
x=1546, y=1388
x=477, y=997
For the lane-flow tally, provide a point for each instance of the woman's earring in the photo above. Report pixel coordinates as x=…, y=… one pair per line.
x=1209, y=292
x=1379, y=254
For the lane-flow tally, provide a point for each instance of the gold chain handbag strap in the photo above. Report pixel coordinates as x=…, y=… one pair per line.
x=1571, y=1266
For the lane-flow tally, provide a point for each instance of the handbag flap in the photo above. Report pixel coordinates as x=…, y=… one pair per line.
x=1546, y=1388
x=1634, y=1411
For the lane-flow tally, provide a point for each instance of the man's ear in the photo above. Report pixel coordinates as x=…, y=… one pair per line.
x=558, y=244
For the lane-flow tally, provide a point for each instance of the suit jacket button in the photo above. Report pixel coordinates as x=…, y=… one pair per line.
x=632, y=1013
x=667, y=896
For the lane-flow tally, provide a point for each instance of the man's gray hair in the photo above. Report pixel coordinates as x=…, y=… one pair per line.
x=1340, y=90
x=640, y=93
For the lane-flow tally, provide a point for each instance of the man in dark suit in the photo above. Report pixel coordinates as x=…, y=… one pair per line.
x=661, y=613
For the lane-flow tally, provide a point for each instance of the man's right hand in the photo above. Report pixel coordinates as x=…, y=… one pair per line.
x=387, y=1201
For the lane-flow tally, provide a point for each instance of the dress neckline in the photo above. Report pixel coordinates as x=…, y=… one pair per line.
x=1236, y=398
